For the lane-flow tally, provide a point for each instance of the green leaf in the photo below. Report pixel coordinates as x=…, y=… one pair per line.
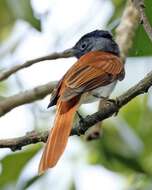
x=22, y=10
x=72, y=185
x=142, y=45
x=12, y=10
x=103, y=152
x=13, y=164
x=6, y=19
x=132, y=112
x=30, y=182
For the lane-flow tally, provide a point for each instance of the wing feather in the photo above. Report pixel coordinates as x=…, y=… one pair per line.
x=93, y=70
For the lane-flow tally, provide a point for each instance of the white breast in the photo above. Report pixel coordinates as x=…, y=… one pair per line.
x=101, y=92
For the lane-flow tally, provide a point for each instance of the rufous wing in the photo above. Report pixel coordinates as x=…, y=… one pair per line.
x=93, y=70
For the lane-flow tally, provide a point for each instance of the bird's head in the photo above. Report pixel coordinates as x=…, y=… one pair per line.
x=98, y=40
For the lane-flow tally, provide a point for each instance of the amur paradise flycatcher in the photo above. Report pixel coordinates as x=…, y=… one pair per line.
x=91, y=78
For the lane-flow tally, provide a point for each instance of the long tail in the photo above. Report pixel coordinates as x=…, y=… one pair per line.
x=58, y=137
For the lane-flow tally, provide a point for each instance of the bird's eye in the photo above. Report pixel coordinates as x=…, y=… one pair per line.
x=83, y=45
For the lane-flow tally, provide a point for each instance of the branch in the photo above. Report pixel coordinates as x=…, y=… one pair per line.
x=28, y=96
x=7, y=73
x=126, y=29
x=144, y=20
x=89, y=121
x=124, y=37
x=39, y=92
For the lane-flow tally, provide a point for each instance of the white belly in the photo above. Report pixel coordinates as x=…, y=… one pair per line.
x=100, y=92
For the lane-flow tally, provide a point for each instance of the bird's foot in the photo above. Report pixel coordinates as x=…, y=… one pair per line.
x=81, y=119
x=116, y=102
x=106, y=100
x=81, y=123
x=80, y=116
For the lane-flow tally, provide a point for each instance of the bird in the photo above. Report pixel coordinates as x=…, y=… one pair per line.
x=92, y=78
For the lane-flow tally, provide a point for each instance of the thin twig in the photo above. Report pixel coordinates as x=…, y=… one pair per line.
x=89, y=121
x=8, y=72
x=28, y=96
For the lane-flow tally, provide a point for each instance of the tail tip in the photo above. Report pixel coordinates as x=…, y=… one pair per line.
x=41, y=171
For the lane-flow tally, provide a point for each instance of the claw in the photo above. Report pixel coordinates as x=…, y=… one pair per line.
x=116, y=102
x=81, y=121
x=80, y=116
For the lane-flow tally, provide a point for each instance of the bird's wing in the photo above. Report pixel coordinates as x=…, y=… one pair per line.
x=93, y=70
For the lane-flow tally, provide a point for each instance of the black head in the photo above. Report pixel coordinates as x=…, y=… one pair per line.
x=98, y=40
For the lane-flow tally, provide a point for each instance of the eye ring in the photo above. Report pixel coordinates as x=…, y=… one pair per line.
x=83, y=45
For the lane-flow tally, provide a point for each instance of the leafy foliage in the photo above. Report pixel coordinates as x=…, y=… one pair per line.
x=13, y=165
x=132, y=154
x=30, y=182
x=142, y=45
x=17, y=9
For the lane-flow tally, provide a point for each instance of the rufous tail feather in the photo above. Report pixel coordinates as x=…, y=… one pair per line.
x=58, y=136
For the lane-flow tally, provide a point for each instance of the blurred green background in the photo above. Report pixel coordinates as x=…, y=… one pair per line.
x=125, y=145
